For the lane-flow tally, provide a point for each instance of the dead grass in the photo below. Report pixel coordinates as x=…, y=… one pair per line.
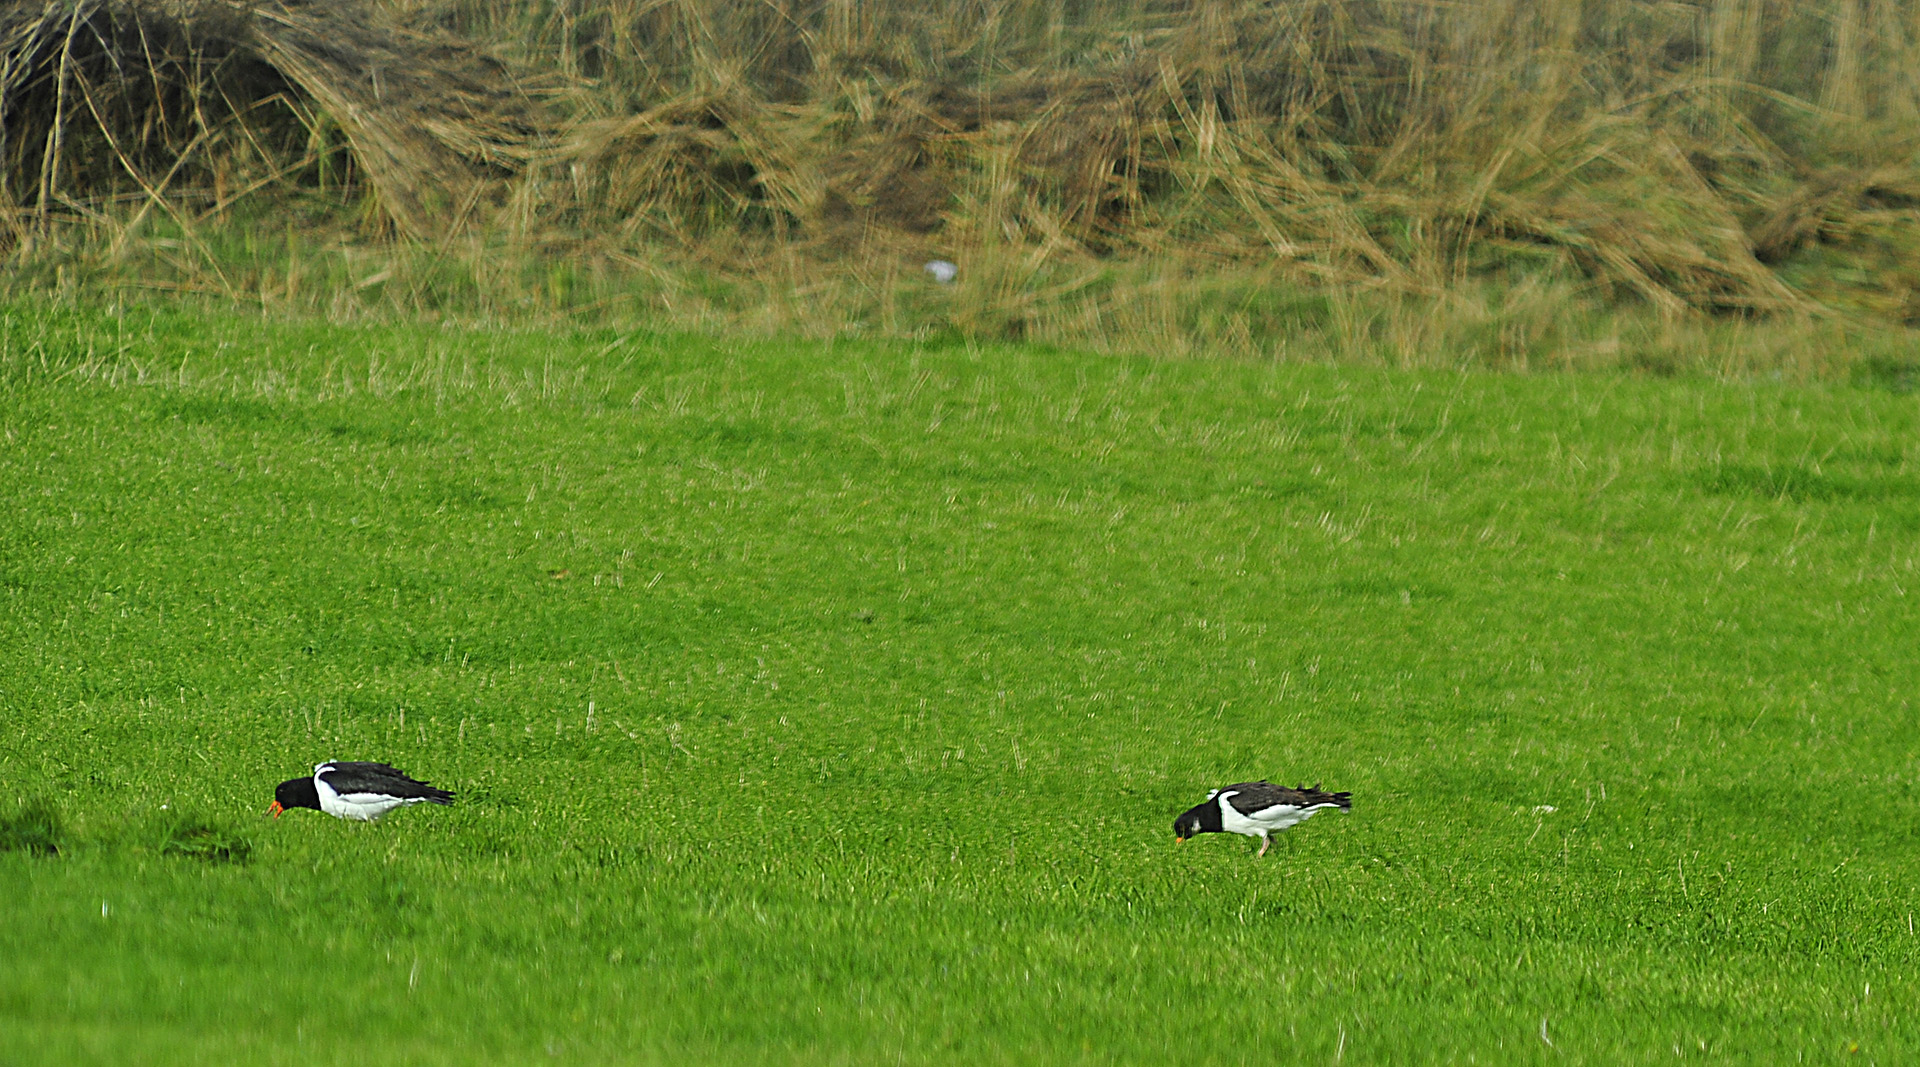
x=1450, y=177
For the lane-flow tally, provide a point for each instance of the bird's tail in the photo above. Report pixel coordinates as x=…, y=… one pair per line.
x=1318, y=798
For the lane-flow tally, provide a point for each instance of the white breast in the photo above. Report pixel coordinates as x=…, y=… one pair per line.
x=1261, y=822
x=365, y=807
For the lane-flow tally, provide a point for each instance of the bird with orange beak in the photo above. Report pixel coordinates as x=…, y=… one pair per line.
x=359, y=791
x=1256, y=809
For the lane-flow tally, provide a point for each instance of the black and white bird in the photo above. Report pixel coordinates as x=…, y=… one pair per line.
x=363, y=791
x=1256, y=809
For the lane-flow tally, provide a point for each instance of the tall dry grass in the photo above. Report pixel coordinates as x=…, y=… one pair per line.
x=1370, y=175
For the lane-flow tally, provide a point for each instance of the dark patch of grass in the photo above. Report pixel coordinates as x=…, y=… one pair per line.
x=1658, y=363
x=235, y=412
x=1896, y=374
x=194, y=837
x=34, y=826
x=1803, y=483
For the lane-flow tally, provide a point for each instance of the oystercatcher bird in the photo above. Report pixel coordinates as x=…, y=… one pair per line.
x=363, y=791
x=1256, y=809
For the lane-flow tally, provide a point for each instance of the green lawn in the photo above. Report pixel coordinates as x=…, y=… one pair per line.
x=832, y=703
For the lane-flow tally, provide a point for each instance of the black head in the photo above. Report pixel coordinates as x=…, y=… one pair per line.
x=1199, y=819
x=294, y=793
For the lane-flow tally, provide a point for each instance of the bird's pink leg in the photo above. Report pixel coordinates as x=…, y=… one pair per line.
x=1264, y=842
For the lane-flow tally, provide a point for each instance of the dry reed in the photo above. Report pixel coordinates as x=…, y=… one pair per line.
x=1161, y=169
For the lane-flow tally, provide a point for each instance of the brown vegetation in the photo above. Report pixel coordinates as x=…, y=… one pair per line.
x=1079, y=160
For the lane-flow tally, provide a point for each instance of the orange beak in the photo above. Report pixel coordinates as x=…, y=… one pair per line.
x=275, y=810
x=1178, y=840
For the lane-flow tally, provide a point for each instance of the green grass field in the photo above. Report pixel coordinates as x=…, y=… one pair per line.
x=831, y=704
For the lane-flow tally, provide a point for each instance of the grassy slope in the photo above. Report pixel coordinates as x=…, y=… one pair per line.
x=899, y=664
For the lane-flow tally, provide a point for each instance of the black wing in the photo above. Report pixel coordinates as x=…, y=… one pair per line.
x=1249, y=797
x=380, y=779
